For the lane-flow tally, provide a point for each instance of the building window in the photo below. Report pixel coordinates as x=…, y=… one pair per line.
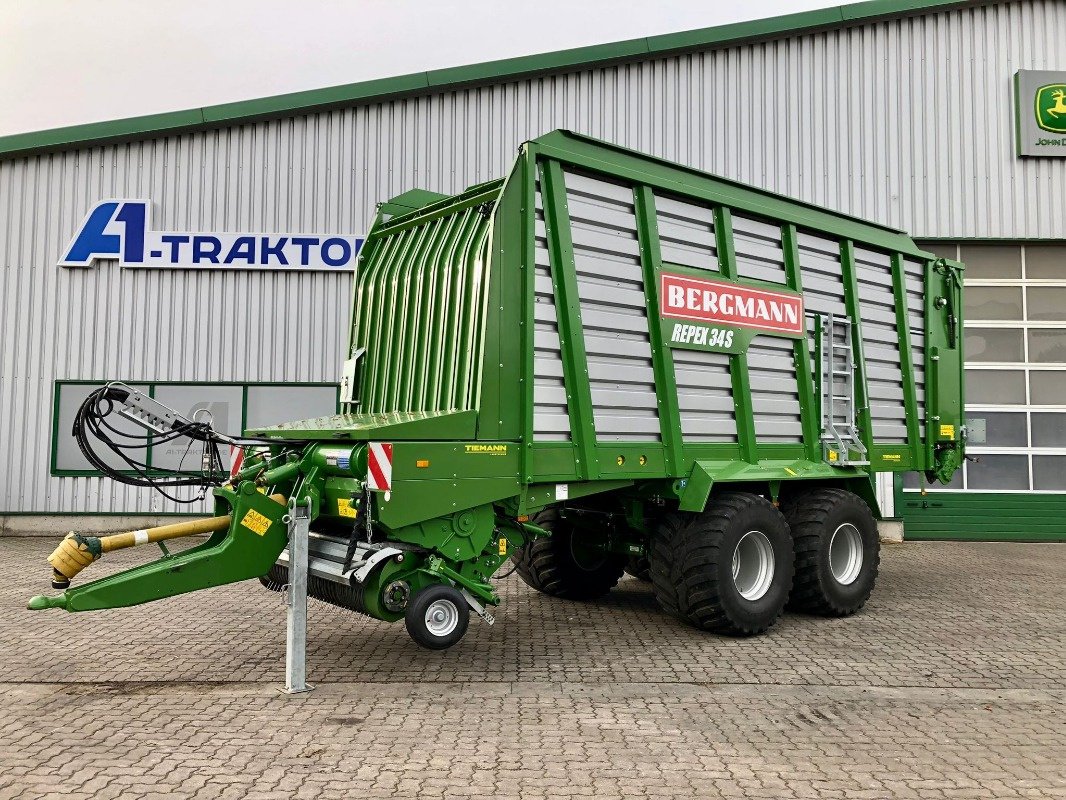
x=233, y=408
x=1015, y=340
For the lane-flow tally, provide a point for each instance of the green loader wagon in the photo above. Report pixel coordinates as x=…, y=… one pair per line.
x=603, y=362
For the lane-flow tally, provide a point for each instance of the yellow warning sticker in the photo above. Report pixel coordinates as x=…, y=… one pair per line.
x=947, y=431
x=890, y=457
x=833, y=455
x=503, y=546
x=345, y=509
x=256, y=522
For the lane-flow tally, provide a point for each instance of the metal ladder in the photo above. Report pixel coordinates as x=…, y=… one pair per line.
x=840, y=440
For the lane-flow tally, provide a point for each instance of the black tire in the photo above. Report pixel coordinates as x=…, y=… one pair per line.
x=452, y=623
x=693, y=565
x=661, y=556
x=556, y=564
x=814, y=519
x=639, y=568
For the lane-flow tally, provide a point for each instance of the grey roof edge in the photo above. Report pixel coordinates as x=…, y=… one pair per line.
x=510, y=69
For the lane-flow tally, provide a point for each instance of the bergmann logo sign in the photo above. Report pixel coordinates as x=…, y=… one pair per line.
x=120, y=229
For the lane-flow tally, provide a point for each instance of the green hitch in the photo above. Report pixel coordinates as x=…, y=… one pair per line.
x=246, y=546
x=40, y=602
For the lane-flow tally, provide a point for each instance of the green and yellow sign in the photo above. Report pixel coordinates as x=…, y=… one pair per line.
x=1040, y=113
x=1051, y=107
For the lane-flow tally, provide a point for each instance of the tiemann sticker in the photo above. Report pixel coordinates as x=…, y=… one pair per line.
x=256, y=522
x=487, y=449
x=705, y=314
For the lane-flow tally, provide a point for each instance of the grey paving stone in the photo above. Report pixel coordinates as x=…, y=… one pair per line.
x=950, y=683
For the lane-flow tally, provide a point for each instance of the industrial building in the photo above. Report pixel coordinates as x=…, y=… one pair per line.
x=207, y=255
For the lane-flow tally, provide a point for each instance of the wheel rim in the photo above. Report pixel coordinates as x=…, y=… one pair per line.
x=442, y=617
x=845, y=554
x=753, y=565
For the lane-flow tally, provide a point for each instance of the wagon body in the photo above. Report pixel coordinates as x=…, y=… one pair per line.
x=602, y=315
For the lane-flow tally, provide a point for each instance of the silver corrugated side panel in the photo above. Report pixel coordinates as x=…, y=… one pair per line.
x=551, y=412
x=705, y=396
x=686, y=233
x=905, y=121
x=775, y=403
x=614, y=320
x=880, y=344
x=914, y=282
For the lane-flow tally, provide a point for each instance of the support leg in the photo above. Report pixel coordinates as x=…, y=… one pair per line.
x=296, y=602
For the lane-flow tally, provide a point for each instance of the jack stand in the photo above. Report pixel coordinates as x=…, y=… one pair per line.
x=299, y=522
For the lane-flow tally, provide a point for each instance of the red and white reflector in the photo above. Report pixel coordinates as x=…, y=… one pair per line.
x=236, y=455
x=379, y=467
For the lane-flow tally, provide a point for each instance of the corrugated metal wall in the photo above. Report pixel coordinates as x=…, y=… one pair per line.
x=908, y=122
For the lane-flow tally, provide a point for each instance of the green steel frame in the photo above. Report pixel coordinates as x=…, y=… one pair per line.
x=453, y=343
x=586, y=459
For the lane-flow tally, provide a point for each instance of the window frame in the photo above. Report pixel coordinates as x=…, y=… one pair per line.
x=56, y=472
x=1026, y=366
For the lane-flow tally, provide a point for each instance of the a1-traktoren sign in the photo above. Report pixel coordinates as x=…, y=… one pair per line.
x=702, y=314
x=1040, y=112
x=120, y=230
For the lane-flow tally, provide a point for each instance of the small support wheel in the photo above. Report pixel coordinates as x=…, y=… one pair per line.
x=437, y=617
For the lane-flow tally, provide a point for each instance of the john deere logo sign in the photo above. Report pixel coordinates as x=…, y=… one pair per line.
x=1051, y=107
x=1040, y=113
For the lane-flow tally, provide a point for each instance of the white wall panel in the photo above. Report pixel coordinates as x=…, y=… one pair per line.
x=907, y=122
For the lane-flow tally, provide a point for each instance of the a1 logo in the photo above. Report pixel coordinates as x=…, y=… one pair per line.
x=112, y=229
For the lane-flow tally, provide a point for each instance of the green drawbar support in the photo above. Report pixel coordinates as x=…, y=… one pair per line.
x=249, y=548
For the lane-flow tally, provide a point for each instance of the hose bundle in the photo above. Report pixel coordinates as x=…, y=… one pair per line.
x=90, y=423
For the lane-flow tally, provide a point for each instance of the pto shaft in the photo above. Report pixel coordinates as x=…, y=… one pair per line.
x=76, y=551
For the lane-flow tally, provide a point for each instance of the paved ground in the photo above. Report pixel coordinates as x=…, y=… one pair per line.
x=951, y=683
